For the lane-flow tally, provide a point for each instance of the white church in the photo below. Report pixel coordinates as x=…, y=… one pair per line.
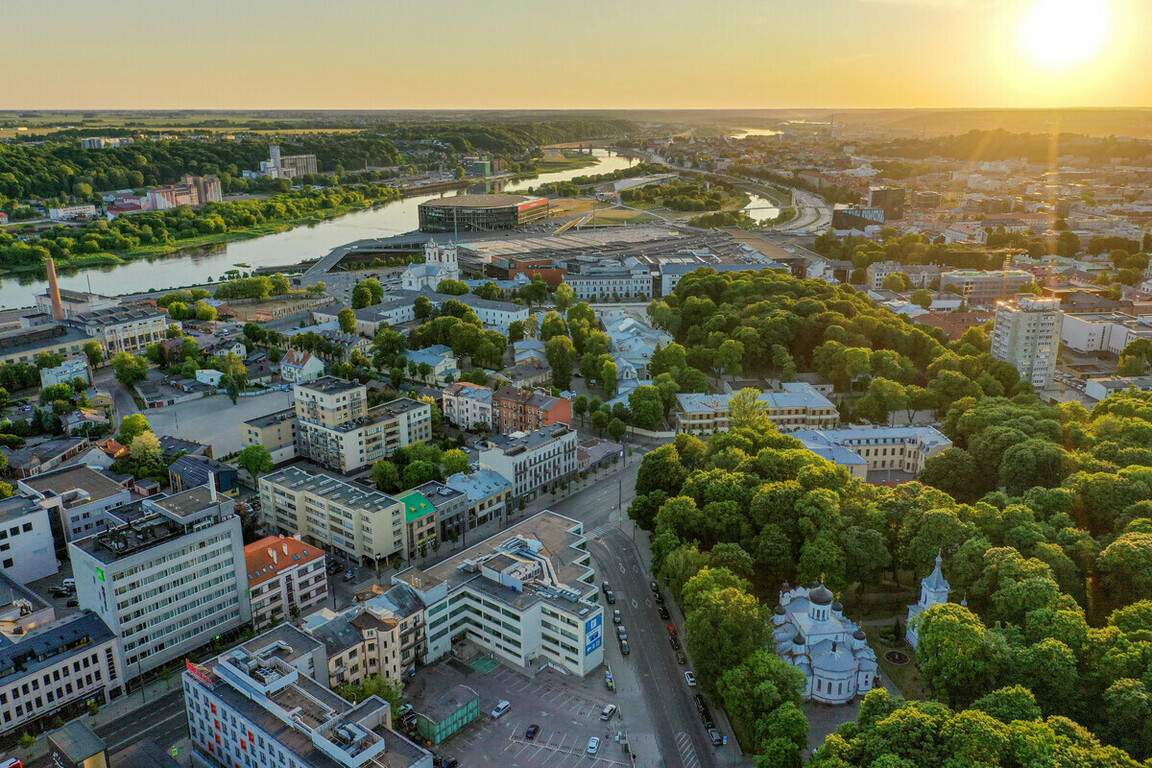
x=811, y=633
x=439, y=264
x=933, y=590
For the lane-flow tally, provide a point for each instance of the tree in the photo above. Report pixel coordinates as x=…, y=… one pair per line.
x=386, y=475
x=600, y=420
x=897, y=281
x=580, y=406
x=347, y=320
x=94, y=351
x=362, y=296
x=129, y=369
x=608, y=378
x=561, y=356
x=1068, y=244
x=232, y=386
x=205, y=312
x=617, y=429
x=647, y=407
x=146, y=451
x=491, y=292
x=131, y=427
x=563, y=297
x=922, y=297
x=728, y=626
x=728, y=358
x=256, y=459
x=954, y=655
x=1125, y=568
x=424, y=369
x=422, y=307
x=420, y=472
x=456, y=461
x=452, y=287
x=747, y=410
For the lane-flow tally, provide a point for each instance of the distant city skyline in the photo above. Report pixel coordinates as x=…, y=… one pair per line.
x=510, y=54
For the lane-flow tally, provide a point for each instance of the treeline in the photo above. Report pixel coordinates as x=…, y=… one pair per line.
x=579, y=184
x=679, y=195
x=509, y=138
x=1002, y=145
x=168, y=228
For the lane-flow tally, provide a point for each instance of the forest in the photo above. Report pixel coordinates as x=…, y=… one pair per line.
x=1047, y=539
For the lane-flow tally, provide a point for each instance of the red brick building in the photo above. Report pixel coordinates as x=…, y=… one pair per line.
x=526, y=410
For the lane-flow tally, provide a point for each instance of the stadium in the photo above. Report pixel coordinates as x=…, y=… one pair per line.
x=480, y=213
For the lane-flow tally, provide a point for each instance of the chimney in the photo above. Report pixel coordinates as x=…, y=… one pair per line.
x=54, y=290
x=285, y=550
x=212, y=485
x=272, y=554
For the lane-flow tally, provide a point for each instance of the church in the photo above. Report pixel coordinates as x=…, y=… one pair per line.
x=933, y=590
x=811, y=633
x=439, y=264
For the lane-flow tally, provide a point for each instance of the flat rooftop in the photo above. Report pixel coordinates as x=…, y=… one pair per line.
x=332, y=489
x=478, y=201
x=60, y=481
x=329, y=385
x=271, y=419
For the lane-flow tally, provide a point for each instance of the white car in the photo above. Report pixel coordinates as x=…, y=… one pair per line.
x=501, y=709
x=690, y=676
x=593, y=745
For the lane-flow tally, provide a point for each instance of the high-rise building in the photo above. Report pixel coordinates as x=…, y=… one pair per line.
x=1026, y=333
x=891, y=199
x=167, y=576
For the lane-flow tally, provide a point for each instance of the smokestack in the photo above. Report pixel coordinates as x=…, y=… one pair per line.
x=54, y=290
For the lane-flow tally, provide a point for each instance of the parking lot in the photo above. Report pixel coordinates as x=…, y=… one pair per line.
x=567, y=711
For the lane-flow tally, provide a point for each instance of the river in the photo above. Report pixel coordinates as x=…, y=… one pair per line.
x=310, y=242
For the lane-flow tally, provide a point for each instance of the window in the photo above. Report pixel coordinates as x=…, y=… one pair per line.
x=9, y=562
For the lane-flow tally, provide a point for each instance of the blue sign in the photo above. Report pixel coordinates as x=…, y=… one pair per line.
x=592, y=631
x=594, y=642
x=594, y=623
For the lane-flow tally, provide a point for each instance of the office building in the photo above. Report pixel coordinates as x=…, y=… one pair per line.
x=362, y=525
x=522, y=410
x=533, y=462
x=889, y=199
x=276, y=432
x=123, y=329
x=286, y=579
x=78, y=499
x=466, y=404
x=799, y=406
x=593, y=278
x=253, y=706
x=27, y=549
x=868, y=450
x=480, y=213
x=487, y=492
x=526, y=595
x=335, y=427
x=1026, y=333
x=1091, y=332
x=983, y=288
x=168, y=578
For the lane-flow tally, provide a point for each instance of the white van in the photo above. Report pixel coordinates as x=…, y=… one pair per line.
x=501, y=709
x=70, y=584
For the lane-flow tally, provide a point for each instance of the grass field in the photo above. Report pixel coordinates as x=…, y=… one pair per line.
x=568, y=162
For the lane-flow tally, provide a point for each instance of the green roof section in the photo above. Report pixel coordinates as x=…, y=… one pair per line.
x=416, y=505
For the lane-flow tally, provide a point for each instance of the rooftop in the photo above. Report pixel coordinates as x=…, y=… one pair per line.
x=58, y=482
x=519, y=443
x=48, y=644
x=416, y=506
x=272, y=555
x=276, y=417
x=332, y=489
x=329, y=385
x=795, y=395
x=480, y=485
x=478, y=201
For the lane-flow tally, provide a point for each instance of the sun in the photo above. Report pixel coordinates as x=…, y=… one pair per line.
x=1060, y=34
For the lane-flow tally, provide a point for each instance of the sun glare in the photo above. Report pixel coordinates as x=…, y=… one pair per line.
x=1059, y=34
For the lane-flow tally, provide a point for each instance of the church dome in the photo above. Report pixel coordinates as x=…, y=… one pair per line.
x=859, y=635
x=838, y=606
x=779, y=610
x=820, y=595
x=798, y=639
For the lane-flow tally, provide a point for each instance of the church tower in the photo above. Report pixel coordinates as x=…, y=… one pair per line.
x=934, y=589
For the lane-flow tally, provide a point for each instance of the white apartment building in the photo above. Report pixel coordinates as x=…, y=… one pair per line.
x=532, y=461
x=27, y=549
x=866, y=450
x=275, y=431
x=592, y=278
x=361, y=524
x=359, y=643
x=466, y=404
x=298, y=366
x=78, y=497
x=256, y=705
x=1102, y=331
x=1026, y=333
x=919, y=275
x=168, y=578
x=286, y=579
x=335, y=427
x=799, y=406
x=68, y=212
x=526, y=595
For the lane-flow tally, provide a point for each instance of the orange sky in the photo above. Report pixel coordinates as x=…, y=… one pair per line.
x=400, y=54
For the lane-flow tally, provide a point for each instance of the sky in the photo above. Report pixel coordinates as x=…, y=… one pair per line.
x=594, y=54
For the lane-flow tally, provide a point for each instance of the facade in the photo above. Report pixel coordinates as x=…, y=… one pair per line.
x=55, y=669
x=466, y=405
x=534, y=461
x=335, y=427
x=362, y=525
x=934, y=589
x=487, y=492
x=193, y=191
x=593, y=278
x=526, y=595
x=78, y=498
x=981, y=288
x=276, y=432
x=440, y=358
x=296, y=367
x=36, y=459
x=811, y=633
x=69, y=212
x=903, y=449
x=73, y=368
x=451, y=509
x=671, y=273
x=254, y=706
x=169, y=578
x=480, y=213
x=27, y=551
x=74, y=302
x=300, y=165
x=799, y=406
x=439, y=264
x=1026, y=334
x=123, y=329
x=420, y=523
x=442, y=716
x=919, y=275
x=286, y=578
x=359, y=643
x=521, y=410
x=1090, y=332
x=890, y=199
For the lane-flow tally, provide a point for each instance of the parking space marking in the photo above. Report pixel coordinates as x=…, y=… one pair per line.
x=687, y=751
x=575, y=750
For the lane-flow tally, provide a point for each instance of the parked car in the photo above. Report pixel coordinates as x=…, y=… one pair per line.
x=621, y=633
x=530, y=734
x=403, y=710
x=625, y=649
x=606, y=587
x=610, y=596
x=73, y=603
x=655, y=587
x=681, y=658
x=502, y=708
x=672, y=630
x=690, y=677
x=674, y=643
x=608, y=712
x=659, y=598
x=616, y=617
x=715, y=736
x=58, y=592
x=593, y=745
x=451, y=762
x=350, y=575
x=663, y=613
x=698, y=700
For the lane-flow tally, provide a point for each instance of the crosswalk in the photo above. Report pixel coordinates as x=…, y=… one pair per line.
x=600, y=530
x=687, y=751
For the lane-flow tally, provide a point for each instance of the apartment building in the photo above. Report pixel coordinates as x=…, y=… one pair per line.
x=1089, y=332
x=276, y=432
x=1026, y=333
x=919, y=275
x=75, y=367
x=335, y=427
x=451, y=508
x=592, y=277
x=401, y=603
x=521, y=410
x=868, y=450
x=27, y=547
x=69, y=212
x=799, y=406
x=125, y=328
x=420, y=523
x=983, y=288
x=254, y=706
x=363, y=525
x=533, y=461
x=167, y=576
x=487, y=493
x=440, y=358
x=466, y=405
x=52, y=667
x=298, y=366
x=286, y=579
x=78, y=499
x=525, y=595
x=359, y=643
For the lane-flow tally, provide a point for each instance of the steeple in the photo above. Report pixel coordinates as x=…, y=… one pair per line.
x=934, y=588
